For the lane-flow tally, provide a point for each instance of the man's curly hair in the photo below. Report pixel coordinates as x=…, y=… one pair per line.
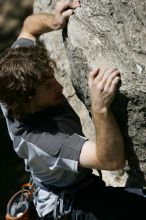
x=21, y=71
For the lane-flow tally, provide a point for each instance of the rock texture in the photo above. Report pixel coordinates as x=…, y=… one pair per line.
x=101, y=33
x=107, y=33
x=113, y=33
x=54, y=43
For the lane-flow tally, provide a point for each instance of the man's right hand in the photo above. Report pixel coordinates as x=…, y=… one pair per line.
x=103, y=86
x=108, y=152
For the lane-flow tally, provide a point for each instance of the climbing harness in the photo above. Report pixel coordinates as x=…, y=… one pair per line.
x=65, y=196
x=19, y=206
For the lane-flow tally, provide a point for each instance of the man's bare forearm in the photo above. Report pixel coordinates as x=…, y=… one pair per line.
x=109, y=141
x=37, y=24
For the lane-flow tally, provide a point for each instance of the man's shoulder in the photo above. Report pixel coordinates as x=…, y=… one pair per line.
x=23, y=42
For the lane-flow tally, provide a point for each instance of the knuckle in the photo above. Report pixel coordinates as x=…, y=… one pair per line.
x=68, y=3
x=117, y=79
x=115, y=82
x=115, y=76
x=108, y=92
x=100, y=87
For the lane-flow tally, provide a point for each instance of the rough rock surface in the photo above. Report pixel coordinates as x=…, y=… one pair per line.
x=109, y=33
x=54, y=43
x=113, y=33
x=101, y=33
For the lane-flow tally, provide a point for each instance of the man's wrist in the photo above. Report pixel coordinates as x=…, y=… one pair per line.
x=52, y=22
x=101, y=111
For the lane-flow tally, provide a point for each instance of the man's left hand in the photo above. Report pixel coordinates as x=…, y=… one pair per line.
x=64, y=9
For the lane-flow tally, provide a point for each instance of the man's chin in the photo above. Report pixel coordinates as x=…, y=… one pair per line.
x=59, y=99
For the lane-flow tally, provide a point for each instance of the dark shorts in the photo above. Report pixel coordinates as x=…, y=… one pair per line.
x=98, y=202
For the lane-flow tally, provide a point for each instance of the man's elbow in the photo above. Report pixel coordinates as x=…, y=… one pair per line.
x=117, y=165
x=112, y=165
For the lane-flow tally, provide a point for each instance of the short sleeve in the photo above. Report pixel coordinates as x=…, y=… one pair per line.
x=23, y=42
x=60, y=151
x=72, y=146
x=70, y=151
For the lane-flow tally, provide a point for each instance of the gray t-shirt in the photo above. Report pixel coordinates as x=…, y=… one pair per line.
x=50, y=142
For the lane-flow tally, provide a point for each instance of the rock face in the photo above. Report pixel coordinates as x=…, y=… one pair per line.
x=109, y=33
x=102, y=33
x=113, y=33
x=54, y=43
